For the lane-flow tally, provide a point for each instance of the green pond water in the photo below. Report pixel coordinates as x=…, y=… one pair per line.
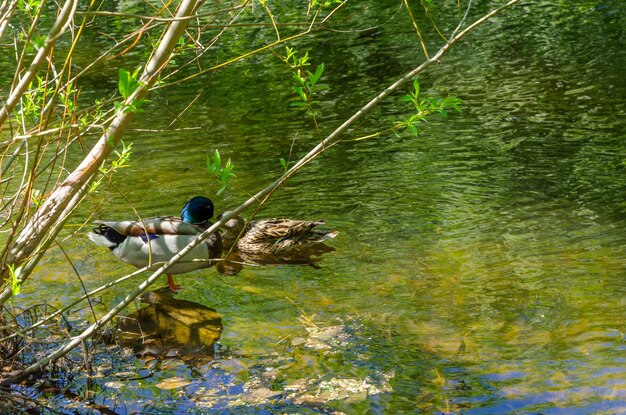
x=479, y=268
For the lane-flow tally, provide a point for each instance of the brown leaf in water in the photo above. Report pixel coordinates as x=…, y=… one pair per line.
x=173, y=383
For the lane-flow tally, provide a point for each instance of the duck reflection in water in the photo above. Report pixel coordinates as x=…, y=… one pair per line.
x=171, y=328
x=272, y=241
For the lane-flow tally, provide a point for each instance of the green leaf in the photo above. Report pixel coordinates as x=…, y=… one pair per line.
x=127, y=82
x=314, y=77
x=123, y=83
x=416, y=87
x=223, y=173
x=290, y=53
x=16, y=279
x=39, y=41
x=216, y=158
x=303, y=96
x=301, y=80
x=304, y=59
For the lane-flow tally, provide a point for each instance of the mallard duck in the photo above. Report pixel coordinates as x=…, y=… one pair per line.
x=273, y=236
x=157, y=240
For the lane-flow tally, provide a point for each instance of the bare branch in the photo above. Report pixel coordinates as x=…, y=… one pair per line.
x=417, y=29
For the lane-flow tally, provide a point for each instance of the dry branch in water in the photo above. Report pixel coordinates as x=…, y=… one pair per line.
x=70, y=192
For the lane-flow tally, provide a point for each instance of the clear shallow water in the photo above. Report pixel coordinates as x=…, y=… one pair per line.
x=482, y=264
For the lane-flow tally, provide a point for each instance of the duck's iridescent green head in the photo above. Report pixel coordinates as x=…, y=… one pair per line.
x=197, y=210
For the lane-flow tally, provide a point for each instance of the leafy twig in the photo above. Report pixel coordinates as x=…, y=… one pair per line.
x=224, y=173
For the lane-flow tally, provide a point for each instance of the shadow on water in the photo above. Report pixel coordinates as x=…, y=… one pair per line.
x=171, y=328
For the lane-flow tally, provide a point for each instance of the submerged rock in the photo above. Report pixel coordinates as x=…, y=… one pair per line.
x=327, y=338
x=266, y=384
x=350, y=389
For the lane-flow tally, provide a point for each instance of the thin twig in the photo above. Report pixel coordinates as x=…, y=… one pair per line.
x=213, y=41
x=251, y=53
x=269, y=13
x=82, y=283
x=417, y=29
x=469, y=6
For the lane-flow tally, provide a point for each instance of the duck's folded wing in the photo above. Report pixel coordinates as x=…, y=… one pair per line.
x=166, y=225
x=271, y=229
